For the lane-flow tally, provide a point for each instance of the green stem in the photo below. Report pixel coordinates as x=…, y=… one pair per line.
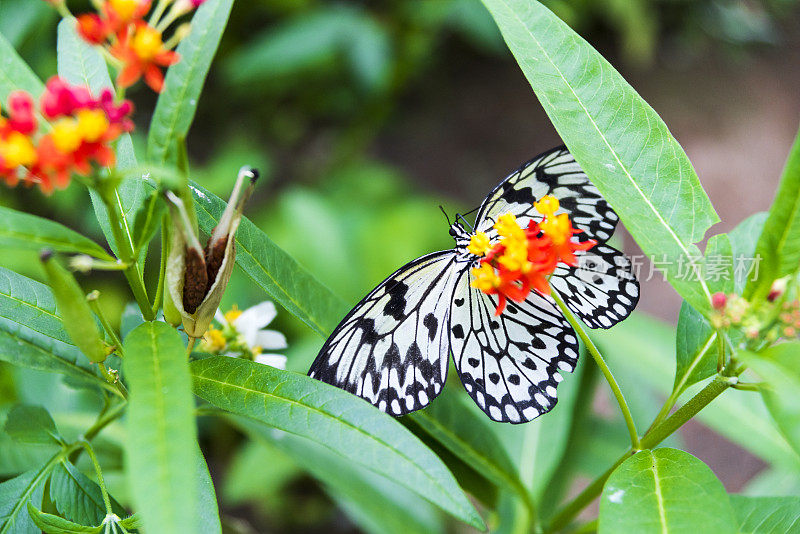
x=106, y=417
x=94, y=304
x=720, y=352
x=90, y=451
x=652, y=438
x=598, y=358
x=162, y=270
x=125, y=245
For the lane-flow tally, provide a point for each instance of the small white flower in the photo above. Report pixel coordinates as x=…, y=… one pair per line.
x=250, y=325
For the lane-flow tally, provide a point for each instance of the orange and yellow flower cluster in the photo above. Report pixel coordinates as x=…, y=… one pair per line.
x=119, y=26
x=77, y=132
x=522, y=259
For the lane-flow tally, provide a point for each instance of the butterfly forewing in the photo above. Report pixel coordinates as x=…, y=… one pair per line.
x=392, y=348
x=602, y=289
x=553, y=173
x=509, y=364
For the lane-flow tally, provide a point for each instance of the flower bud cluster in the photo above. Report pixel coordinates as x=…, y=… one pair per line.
x=77, y=132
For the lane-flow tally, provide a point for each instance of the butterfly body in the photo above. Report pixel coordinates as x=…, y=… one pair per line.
x=392, y=349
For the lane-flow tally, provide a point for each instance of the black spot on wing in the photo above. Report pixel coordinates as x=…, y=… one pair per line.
x=430, y=322
x=397, y=300
x=458, y=331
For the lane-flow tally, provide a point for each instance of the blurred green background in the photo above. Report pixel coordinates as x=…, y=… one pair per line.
x=365, y=116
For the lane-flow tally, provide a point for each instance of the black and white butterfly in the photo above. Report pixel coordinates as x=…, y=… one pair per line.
x=392, y=348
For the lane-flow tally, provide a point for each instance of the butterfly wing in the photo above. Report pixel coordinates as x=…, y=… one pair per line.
x=509, y=364
x=392, y=348
x=553, y=173
x=602, y=289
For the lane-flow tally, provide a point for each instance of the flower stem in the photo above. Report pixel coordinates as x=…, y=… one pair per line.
x=90, y=451
x=125, y=245
x=598, y=358
x=162, y=271
x=94, y=304
x=652, y=438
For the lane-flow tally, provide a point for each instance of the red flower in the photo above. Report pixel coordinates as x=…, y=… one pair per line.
x=143, y=54
x=94, y=29
x=523, y=259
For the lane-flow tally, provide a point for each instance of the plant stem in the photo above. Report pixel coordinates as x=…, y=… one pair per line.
x=598, y=358
x=90, y=451
x=125, y=246
x=652, y=438
x=94, y=304
x=162, y=271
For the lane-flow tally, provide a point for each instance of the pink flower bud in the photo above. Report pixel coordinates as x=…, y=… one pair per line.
x=718, y=300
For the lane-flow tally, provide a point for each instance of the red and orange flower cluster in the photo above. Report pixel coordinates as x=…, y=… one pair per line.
x=119, y=26
x=522, y=259
x=76, y=132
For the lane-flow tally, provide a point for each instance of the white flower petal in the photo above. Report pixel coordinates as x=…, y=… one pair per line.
x=220, y=318
x=255, y=318
x=269, y=340
x=277, y=361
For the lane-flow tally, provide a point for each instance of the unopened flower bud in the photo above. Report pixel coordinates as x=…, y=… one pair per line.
x=81, y=263
x=778, y=288
x=76, y=316
x=718, y=300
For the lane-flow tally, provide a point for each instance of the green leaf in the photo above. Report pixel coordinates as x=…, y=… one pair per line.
x=31, y=424
x=277, y=273
x=177, y=103
x=779, y=366
x=718, y=267
x=767, y=515
x=375, y=503
x=334, y=418
x=743, y=245
x=665, y=490
x=20, y=230
x=15, y=74
x=82, y=64
x=31, y=332
x=20, y=18
x=52, y=524
x=618, y=139
x=14, y=495
x=779, y=243
x=207, y=508
x=161, y=429
x=468, y=435
x=695, y=347
x=77, y=498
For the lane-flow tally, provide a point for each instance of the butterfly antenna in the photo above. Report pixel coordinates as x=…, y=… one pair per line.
x=445, y=215
x=459, y=216
x=473, y=210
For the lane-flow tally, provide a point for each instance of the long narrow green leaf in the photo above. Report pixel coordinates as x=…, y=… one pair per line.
x=468, y=436
x=375, y=503
x=81, y=63
x=767, y=515
x=161, y=430
x=15, y=74
x=779, y=245
x=334, y=418
x=207, y=508
x=177, y=103
x=31, y=333
x=619, y=140
x=277, y=273
x=77, y=498
x=20, y=230
x=14, y=496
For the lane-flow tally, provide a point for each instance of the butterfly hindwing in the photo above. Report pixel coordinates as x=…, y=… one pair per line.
x=602, y=289
x=553, y=173
x=392, y=348
x=509, y=364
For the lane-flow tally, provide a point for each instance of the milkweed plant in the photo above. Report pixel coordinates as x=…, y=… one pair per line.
x=178, y=360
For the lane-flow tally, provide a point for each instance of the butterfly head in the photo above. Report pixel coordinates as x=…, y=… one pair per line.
x=460, y=234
